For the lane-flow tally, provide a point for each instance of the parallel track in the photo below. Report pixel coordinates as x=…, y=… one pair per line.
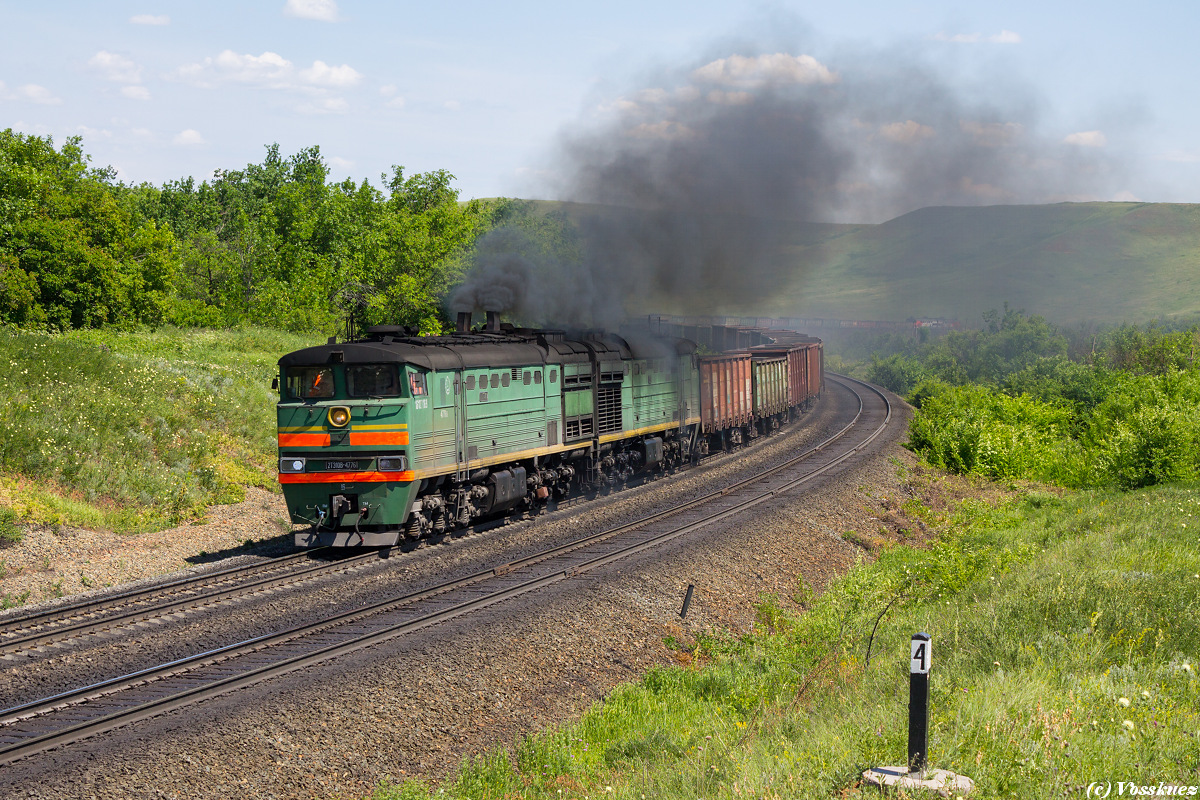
x=71, y=716
x=159, y=600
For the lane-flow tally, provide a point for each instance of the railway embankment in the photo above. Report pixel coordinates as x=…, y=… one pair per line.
x=1065, y=638
x=460, y=689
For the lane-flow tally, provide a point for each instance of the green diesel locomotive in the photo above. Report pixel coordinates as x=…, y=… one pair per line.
x=399, y=436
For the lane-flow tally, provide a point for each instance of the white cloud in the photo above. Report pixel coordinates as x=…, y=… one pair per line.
x=718, y=97
x=452, y=105
x=906, y=132
x=115, y=67
x=1003, y=37
x=394, y=100
x=341, y=163
x=93, y=133
x=268, y=70
x=150, y=19
x=321, y=74
x=30, y=93
x=751, y=71
x=958, y=38
x=324, y=105
x=1182, y=156
x=1087, y=139
x=653, y=96
x=320, y=10
x=992, y=134
x=665, y=129
x=188, y=137
x=620, y=106
x=136, y=92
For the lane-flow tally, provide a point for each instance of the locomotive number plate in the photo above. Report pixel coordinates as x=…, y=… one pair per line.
x=343, y=466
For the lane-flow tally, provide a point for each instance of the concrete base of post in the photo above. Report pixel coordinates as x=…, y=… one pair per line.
x=947, y=784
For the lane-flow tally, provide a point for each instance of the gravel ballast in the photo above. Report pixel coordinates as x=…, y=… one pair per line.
x=417, y=706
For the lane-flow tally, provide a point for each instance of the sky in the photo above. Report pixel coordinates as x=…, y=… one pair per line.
x=494, y=92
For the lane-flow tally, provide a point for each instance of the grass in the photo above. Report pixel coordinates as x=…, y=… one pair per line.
x=1065, y=641
x=135, y=431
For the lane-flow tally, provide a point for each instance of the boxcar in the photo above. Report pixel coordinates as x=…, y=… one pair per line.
x=726, y=395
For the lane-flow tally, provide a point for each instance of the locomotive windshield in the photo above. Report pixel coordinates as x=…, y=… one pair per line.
x=310, y=382
x=372, y=380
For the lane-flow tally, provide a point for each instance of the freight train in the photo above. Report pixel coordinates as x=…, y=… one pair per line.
x=395, y=436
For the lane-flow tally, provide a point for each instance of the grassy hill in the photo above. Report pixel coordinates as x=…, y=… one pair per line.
x=1068, y=262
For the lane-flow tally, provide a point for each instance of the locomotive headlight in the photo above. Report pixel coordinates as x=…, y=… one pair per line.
x=291, y=464
x=339, y=416
x=393, y=464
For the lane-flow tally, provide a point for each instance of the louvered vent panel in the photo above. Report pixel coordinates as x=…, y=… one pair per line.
x=609, y=408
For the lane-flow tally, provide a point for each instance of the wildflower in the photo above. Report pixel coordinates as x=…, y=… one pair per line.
x=1145, y=695
x=1186, y=667
x=1128, y=724
x=1123, y=702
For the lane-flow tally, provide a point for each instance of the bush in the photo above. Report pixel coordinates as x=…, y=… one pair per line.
x=10, y=531
x=971, y=429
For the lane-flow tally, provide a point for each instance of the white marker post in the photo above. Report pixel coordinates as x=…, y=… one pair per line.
x=919, y=663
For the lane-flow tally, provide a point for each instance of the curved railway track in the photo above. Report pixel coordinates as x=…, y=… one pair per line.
x=68, y=717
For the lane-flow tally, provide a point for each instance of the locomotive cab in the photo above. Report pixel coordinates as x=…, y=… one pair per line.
x=345, y=464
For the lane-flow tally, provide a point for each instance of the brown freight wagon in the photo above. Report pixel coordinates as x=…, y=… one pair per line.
x=771, y=385
x=816, y=369
x=798, y=369
x=726, y=394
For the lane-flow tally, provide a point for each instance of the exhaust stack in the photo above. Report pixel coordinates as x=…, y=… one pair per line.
x=464, y=322
x=493, y=322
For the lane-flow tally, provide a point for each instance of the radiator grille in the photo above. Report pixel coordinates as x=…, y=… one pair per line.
x=608, y=408
x=578, y=428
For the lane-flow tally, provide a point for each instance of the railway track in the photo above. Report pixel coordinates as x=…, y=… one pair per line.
x=56, y=624
x=68, y=717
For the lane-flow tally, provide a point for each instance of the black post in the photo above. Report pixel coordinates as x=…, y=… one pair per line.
x=687, y=601
x=918, y=703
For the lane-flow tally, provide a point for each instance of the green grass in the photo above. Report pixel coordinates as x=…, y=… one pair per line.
x=134, y=431
x=1065, y=641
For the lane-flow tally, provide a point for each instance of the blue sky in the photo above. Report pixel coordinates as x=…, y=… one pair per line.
x=163, y=90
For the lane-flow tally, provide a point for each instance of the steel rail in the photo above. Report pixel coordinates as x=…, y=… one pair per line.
x=118, y=718
x=57, y=613
x=173, y=606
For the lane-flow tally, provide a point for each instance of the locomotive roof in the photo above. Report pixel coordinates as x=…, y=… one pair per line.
x=474, y=350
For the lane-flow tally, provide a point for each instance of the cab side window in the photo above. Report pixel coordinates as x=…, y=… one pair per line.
x=416, y=383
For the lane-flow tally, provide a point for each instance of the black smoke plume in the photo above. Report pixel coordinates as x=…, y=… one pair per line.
x=704, y=174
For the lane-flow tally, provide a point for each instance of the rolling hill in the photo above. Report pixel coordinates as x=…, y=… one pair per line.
x=1069, y=262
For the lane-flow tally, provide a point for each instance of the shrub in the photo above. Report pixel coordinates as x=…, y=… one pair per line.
x=10, y=531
